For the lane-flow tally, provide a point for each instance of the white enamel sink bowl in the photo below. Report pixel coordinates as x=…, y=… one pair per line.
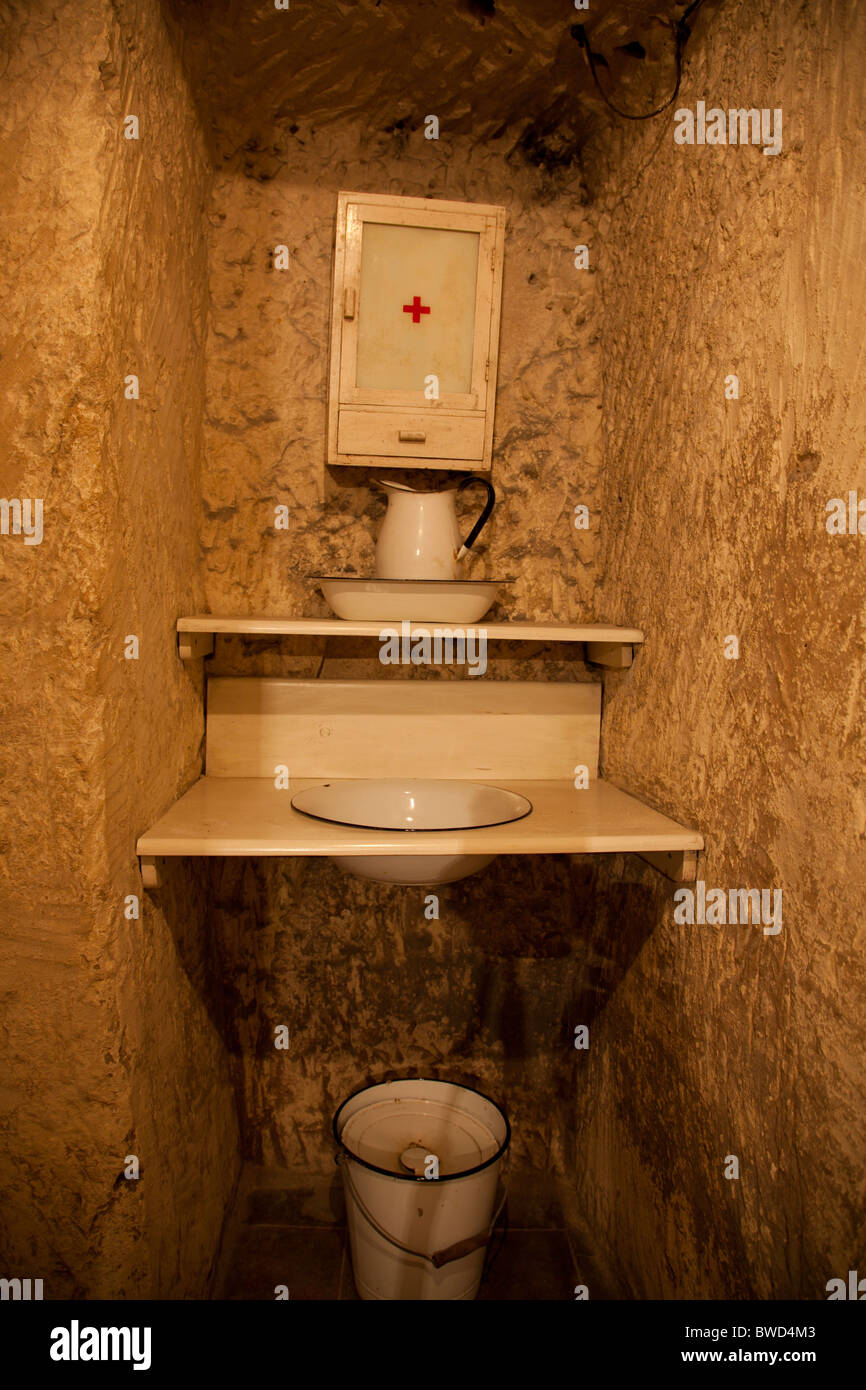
x=409, y=804
x=419, y=600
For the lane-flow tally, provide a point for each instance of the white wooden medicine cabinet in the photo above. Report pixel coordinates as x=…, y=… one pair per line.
x=414, y=332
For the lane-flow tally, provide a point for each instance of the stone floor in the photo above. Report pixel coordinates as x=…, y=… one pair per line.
x=291, y=1230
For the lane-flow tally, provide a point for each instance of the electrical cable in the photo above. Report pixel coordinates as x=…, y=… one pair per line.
x=681, y=32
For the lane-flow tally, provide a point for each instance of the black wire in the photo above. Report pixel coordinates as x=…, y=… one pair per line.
x=681, y=33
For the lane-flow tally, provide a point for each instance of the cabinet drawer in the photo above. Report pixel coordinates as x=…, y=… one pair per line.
x=410, y=434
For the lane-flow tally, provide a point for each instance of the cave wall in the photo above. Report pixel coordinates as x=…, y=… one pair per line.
x=109, y=1048
x=707, y=520
x=716, y=1040
x=366, y=981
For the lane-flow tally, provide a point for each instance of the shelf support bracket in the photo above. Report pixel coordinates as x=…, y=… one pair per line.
x=616, y=655
x=150, y=876
x=679, y=865
x=191, y=645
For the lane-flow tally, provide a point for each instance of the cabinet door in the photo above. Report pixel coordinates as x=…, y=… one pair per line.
x=415, y=331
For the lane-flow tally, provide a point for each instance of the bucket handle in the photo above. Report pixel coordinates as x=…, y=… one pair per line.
x=458, y=1251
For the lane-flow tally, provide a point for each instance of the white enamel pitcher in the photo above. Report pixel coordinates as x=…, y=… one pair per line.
x=420, y=538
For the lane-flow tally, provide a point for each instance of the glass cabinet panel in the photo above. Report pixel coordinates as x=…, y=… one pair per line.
x=416, y=310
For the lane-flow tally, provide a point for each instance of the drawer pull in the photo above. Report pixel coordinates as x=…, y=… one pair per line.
x=412, y=436
x=348, y=304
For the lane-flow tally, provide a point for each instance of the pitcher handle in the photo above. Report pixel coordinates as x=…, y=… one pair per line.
x=485, y=513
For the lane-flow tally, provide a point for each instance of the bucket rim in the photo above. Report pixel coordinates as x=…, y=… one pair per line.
x=411, y=1177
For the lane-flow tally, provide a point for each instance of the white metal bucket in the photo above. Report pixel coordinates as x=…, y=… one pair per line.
x=414, y=1236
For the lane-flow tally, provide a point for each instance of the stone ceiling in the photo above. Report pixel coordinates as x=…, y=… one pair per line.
x=489, y=69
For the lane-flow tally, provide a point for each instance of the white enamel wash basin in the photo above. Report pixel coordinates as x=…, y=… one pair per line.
x=411, y=804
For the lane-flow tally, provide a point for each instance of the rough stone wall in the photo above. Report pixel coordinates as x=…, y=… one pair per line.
x=370, y=987
x=707, y=520
x=716, y=1040
x=108, y=1047
x=508, y=75
x=366, y=984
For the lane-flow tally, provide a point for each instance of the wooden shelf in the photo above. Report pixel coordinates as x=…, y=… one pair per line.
x=606, y=645
x=526, y=736
x=237, y=816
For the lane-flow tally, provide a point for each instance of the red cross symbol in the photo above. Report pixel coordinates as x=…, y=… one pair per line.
x=416, y=309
